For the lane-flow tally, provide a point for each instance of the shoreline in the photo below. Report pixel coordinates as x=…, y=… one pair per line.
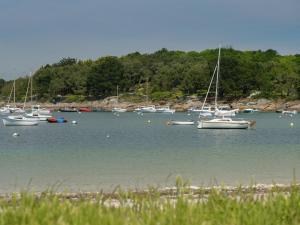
x=107, y=104
x=168, y=192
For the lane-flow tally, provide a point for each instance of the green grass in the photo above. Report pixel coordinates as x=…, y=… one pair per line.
x=277, y=206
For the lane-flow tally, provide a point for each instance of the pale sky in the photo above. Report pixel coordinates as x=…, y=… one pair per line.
x=37, y=32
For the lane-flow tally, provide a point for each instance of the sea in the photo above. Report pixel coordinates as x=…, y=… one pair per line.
x=104, y=151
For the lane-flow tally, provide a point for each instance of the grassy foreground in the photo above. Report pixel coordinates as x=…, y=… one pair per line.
x=277, y=206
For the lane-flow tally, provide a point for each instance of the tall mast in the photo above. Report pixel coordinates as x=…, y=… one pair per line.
x=11, y=91
x=217, y=80
x=31, y=87
x=26, y=92
x=117, y=94
x=147, y=91
x=212, y=78
x=15, y=92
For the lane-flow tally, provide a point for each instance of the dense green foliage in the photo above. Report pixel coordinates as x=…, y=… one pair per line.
x=168, y=72
x=276, y=207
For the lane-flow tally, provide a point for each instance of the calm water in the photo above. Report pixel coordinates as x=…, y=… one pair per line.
x=103, y=151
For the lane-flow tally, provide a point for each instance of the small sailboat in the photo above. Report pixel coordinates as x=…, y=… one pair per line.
x=223, y=122
x=146, y=109
x=118, y=109
x=8, y=109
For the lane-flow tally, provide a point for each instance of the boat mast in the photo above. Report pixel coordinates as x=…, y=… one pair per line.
x=15, y=93
x=26, y=92
x=217, y=80
x=147, y=91
x=31, y=87
x=11, y=91
x=117, y=94
x=212, y=78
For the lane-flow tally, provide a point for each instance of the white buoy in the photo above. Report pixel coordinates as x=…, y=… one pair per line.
x=74, y=122
x=107, y=136
x=79, y=112
x=15, y=134
x=291, y=124
x=188, y=114
x=149, y=121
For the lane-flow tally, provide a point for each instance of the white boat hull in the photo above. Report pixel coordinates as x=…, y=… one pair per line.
x=174, y=122
x=120, y=110
x=39, y=117
x=19, y=122
x=219, y=124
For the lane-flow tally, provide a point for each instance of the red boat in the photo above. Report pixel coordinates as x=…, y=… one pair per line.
x=85, y=109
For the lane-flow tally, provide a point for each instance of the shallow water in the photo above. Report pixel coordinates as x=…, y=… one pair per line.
x=103, y=151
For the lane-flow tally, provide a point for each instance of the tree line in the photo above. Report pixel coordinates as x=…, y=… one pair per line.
x=167, y=74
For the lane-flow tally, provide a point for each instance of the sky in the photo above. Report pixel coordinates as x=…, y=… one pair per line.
x=38, y=32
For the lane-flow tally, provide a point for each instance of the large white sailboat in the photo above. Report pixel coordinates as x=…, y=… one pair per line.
x=221, y=122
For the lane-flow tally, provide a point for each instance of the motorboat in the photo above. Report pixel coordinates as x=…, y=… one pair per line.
x=19, y=121
x=178, y=122
x=36, y=115
x=225, y=123
x=165, y=109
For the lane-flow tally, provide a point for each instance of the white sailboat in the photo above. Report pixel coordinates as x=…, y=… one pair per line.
x=146, y=109
x=118, y=109
x=8, y=109
x=223, y=122
x=36, y=111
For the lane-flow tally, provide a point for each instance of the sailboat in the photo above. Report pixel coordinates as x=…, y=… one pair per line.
x=8, y=108
x=35, y=109
x=118, y=109
x=146, y=109
x=223, y=122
